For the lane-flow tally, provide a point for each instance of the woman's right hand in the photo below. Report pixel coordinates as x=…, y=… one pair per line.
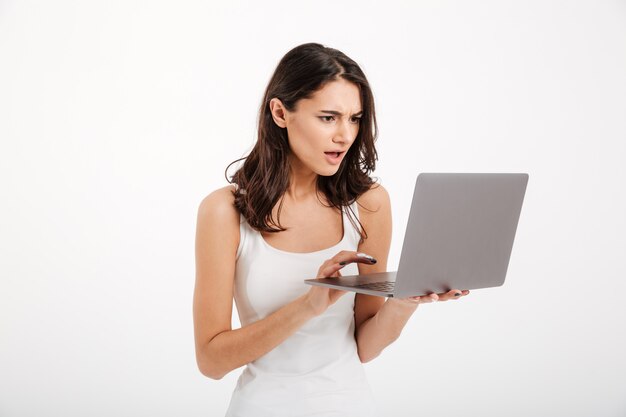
x=320, y=298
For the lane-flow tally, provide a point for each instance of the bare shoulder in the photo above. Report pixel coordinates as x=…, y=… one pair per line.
x=218, y=218
x=217, y=235
x=219, y=205
x=374, y=200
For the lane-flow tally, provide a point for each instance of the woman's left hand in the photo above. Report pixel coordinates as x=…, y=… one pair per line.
x=431, y=298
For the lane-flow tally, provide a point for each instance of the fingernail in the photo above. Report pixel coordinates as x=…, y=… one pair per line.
x=368, y=257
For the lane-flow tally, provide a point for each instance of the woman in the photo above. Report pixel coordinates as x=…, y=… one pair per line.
x=302, y=201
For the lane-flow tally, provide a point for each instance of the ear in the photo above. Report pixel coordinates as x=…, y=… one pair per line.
x=279, y=113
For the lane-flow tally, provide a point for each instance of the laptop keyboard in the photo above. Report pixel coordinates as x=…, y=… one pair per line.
x=378, y=286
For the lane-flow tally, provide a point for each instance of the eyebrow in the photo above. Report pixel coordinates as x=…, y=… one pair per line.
x=339, y=113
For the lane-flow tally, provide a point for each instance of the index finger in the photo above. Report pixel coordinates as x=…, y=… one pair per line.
x=346, y=257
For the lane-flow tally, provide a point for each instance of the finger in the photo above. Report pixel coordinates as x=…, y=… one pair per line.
x=450, y=295
x=456, y=294
x=346, y=257
x=342, y=259
x=329, y=270
x=425, y=299
x=414, y=300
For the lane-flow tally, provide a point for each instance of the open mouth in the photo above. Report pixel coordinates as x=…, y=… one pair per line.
x=334, y=157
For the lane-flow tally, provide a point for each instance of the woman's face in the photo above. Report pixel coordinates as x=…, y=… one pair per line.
x=322, y=128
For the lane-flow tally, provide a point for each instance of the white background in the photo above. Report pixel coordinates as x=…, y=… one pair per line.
x=118, y=117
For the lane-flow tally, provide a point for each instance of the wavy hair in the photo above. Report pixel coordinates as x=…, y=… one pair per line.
x=264, y=176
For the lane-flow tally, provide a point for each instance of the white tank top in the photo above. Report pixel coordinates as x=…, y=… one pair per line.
x=316, y=371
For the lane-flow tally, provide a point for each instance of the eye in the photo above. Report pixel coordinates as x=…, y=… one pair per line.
x=330, y=118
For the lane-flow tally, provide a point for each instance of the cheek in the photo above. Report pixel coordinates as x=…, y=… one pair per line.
x=306, y=138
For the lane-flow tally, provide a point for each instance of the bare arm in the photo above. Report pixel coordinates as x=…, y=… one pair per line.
x=375, y=328
x=378, y=322
x=219, y=349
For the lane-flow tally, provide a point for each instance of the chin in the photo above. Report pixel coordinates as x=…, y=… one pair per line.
x=327, y=171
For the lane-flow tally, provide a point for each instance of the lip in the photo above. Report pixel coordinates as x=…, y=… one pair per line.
x=332, y=159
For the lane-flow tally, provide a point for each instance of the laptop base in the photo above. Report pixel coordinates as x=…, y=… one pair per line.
x=359, y=283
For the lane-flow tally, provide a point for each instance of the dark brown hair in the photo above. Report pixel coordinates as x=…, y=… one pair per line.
x=264, y=176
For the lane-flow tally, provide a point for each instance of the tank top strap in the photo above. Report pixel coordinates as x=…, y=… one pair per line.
x=350, y=228
x=243, y=236
x=244, y=229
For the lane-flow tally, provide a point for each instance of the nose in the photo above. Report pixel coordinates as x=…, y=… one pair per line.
x=345, y=132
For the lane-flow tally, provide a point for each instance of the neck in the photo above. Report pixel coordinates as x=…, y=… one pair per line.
x=302, y=181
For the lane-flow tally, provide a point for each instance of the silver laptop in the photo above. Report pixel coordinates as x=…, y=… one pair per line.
x=459, y=236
